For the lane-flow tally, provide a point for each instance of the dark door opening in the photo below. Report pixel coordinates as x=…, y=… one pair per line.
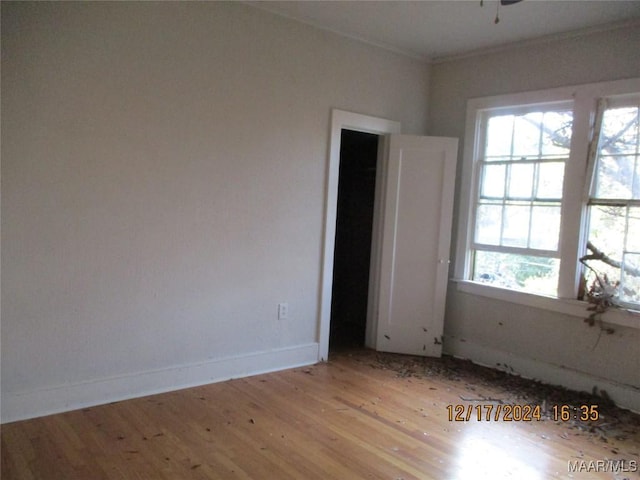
x=352, y=255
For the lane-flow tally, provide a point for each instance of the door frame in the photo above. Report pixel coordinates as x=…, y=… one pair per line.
x=340, y=120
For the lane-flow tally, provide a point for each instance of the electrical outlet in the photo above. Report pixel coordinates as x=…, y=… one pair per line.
x=283, y=311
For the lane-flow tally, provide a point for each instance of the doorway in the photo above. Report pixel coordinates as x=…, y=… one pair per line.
x=341, y=120
x=410, y=243
x=354, y=223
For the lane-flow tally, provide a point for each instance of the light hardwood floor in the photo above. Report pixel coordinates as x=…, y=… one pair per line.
x=353, y=417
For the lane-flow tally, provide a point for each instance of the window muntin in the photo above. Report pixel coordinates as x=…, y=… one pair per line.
x=614, y=202
x=518, y=208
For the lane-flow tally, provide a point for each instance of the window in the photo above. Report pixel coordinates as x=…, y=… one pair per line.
x=533, y=203
x=519, y=198
x=614, y=201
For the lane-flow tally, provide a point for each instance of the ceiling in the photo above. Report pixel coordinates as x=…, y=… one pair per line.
x=438, y=29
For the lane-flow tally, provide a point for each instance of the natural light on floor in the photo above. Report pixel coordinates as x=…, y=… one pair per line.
x=488, y=452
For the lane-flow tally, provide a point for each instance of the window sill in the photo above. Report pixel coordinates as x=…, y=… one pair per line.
x=575, y=308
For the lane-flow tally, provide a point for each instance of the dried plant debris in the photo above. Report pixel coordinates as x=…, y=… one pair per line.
x=503, y=386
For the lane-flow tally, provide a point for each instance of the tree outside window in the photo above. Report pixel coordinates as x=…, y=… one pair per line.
x=613, y=248
x=517, y=214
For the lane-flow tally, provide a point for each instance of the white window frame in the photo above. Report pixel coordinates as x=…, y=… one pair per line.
x=480, y=161
x=617, y=101
x=575, y=194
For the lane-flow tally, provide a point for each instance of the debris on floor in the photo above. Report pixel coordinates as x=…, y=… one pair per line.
x=508, y=388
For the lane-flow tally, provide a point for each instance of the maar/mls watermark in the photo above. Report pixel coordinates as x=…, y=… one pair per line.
x=602, y=466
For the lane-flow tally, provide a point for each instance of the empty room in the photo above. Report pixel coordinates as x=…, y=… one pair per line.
x=320, y=240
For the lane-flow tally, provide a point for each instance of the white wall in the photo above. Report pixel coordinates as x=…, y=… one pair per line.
x=537, y=343
x=163, y=176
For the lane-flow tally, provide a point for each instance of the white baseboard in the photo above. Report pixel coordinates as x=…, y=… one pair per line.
x=624, y=396
x=37, y=403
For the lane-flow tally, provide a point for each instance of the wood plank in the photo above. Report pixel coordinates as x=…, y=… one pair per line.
x=353, y=417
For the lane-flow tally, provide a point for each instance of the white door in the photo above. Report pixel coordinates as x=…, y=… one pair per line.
x=414, y=246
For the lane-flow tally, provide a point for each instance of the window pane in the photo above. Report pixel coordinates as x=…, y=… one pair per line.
x=545, y=227
x=619, y=133
x=488, y=224
x=614, y=177
x=636, y=180
x=516, y=226
x=556, y=133
x=633, y=230
x=499, y=130
x=493, y=181
x=518, y=272
x=606, y=234
x=606, y=229
x=629, y=290
x=521, y=181
x=550, y=180
x=618, y=172
x=526, y=135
